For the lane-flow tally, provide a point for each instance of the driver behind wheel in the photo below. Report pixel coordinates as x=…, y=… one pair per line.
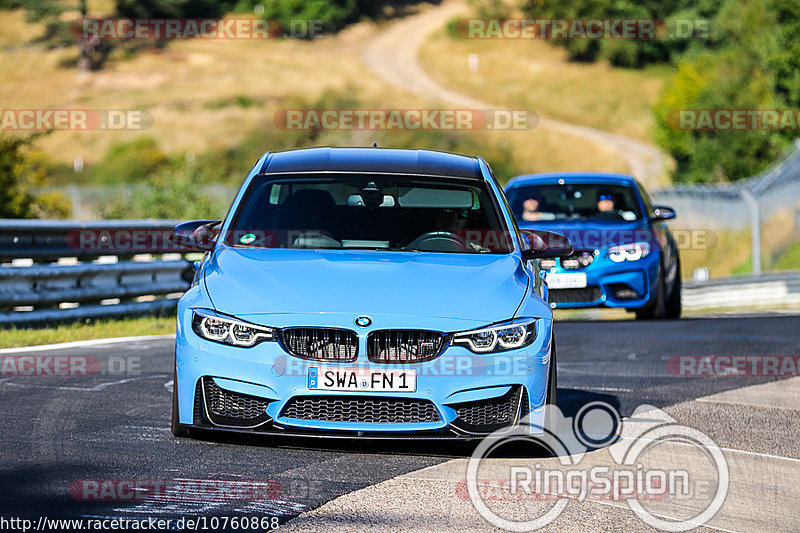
x=455, y=221
x=452, y=220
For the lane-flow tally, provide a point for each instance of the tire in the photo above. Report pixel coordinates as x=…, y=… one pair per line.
x=552, y=380
x=178, y=429
x=673, y=305
x=655, y=308
x=552, y=391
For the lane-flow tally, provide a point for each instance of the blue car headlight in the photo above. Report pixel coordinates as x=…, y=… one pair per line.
x=228, y=330
x=510, y=335
x=629, y=252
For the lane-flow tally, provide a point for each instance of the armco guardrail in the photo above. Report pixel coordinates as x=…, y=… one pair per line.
x=43, y=240
x=34, y=290
x=773, y=290
x=38, y=285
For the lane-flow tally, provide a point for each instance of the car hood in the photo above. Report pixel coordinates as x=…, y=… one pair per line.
x=479, y=288
x=596, y=235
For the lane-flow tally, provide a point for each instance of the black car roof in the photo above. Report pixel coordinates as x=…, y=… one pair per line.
x=383, y=160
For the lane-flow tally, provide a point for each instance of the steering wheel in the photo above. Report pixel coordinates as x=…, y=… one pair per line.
x=439, y=241
x=613, y=214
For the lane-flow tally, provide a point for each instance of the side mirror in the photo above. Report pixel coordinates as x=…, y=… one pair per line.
x=544, y=244
x=662, y=212
x=199, y=235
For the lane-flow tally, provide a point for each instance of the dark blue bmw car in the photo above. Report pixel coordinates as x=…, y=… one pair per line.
x=624, y=254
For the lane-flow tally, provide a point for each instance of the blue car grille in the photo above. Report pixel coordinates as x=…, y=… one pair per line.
x=361, y=409
x=587, y=294
x=321, y=344
x=403, y=346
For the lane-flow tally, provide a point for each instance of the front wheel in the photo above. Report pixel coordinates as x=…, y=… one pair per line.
x=552, y=391
x=655, y=307
x=552, y=381
x=673, y=305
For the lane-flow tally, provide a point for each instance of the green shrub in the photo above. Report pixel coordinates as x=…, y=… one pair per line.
x=168, y=194
x=625, y=52
x=332, y=14
x=751, y=69
x=172, y=8
x=21, y=171
x=129, y=163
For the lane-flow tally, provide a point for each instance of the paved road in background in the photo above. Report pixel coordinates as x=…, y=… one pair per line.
x=59, y=432
x=393, y=55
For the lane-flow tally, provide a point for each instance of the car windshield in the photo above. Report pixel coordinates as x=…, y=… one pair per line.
x=574, y=202
x=376, y=212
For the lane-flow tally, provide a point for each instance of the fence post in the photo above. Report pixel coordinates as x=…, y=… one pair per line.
x=755, y=229
x=796, y=220
x=77, y=206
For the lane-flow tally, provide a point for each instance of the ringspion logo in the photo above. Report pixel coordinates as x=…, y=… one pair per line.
x=639, y=471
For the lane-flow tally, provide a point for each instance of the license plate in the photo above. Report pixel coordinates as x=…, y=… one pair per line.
x=569, y=280
x=361, y=379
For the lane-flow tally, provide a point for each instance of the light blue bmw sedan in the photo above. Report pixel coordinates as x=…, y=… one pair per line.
x=365, y=292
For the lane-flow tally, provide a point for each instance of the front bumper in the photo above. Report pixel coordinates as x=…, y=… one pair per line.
x=455, y=392
x=626, y=285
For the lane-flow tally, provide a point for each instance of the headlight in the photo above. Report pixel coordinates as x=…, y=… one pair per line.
x=510, y=335
x=629, y=252
x=228, y=330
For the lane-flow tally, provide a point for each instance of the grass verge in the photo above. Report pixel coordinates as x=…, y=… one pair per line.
x=790, y=258
x=209, y=96
x=105, y=329
x=532, y=74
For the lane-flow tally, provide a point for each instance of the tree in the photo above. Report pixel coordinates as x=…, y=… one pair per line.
x=18, y=173
x=670, y=16
x=755, y=66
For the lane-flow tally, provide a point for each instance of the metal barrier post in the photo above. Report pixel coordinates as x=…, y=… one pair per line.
x=755, y=229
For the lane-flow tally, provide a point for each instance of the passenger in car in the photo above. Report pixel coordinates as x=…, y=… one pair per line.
x=605, y=202
x=530, y=209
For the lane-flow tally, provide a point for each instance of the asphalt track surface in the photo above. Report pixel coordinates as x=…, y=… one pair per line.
x=58, y=432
